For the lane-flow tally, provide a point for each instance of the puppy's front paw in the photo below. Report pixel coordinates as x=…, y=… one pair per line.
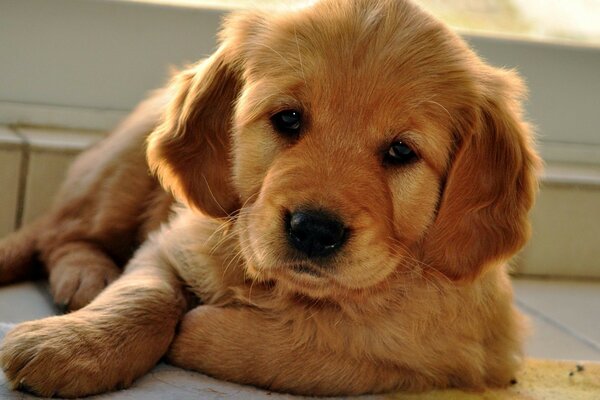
x=75, y=286
x=57, y=356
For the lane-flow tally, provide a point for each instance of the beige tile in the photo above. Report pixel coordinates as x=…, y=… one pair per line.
x=46, y=172
x=50, y=154
x=573, y=305
x=566, y=231
x=11, y=153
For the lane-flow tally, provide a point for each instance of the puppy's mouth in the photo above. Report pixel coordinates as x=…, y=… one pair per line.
x=305, y=269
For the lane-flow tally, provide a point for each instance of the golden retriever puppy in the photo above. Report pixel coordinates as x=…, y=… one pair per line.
x=353, y=179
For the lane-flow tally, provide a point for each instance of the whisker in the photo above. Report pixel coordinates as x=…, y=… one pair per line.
x=213, y=196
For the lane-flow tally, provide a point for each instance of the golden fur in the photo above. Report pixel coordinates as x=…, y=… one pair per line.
x=418, y=298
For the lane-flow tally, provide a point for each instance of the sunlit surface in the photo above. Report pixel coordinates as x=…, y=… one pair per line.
x=231, y=4
x=572, y=20
x=566, y=20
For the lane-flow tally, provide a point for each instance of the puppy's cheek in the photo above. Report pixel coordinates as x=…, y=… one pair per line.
x=415, y=195
x=253, y=152
x=370, y=255
x=247, y=233
x=261, y=235
x=369, y=267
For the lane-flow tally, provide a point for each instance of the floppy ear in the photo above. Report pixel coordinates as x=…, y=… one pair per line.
x=483, y=214
x=190, y=149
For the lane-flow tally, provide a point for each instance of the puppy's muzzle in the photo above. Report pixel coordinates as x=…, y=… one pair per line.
x=315, y=233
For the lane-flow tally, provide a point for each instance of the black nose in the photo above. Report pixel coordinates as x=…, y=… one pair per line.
x=315, y=233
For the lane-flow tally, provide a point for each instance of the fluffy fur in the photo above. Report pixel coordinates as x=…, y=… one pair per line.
x=418, y=298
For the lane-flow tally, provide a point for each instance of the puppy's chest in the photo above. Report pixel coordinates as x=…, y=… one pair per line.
x=358, y=330
x=416, y=324
x=210, y=277
x=200, y=255
x=380, y=326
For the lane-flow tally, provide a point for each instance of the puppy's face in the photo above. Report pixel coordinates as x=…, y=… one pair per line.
x=347, y=127
x=339, y=152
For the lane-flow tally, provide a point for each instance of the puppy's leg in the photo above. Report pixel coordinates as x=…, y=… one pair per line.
x=108, y=199
x=248, y=346
x=18, y=253
x=78, y=271
x=106, y=345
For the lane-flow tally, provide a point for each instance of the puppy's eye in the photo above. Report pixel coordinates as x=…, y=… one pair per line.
x=287, y=122
x=399, y=153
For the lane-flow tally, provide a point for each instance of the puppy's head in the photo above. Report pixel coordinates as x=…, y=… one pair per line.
x=354, y=141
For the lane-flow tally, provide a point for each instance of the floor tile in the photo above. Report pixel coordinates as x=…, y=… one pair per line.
x=574, y=305
x=547, y=340
x=25, y=301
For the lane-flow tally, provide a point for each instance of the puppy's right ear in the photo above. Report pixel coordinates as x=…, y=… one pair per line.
x=483, y=214
x=189, y=150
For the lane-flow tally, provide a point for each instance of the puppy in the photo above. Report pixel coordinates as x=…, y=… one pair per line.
x=352, y=180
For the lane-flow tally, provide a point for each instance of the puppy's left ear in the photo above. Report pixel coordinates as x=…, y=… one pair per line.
x=483, y=214
x=189, y=150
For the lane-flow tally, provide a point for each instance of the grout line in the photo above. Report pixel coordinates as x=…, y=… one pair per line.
x=554, y=323
x=23, y=176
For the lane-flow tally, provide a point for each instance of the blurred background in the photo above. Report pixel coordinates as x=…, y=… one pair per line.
x=574, y=20
x=71, y=69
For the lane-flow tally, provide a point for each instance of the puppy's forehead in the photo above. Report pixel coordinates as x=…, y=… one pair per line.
x=375, y=51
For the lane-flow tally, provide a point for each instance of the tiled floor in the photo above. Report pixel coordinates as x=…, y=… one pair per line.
x=565, y=314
